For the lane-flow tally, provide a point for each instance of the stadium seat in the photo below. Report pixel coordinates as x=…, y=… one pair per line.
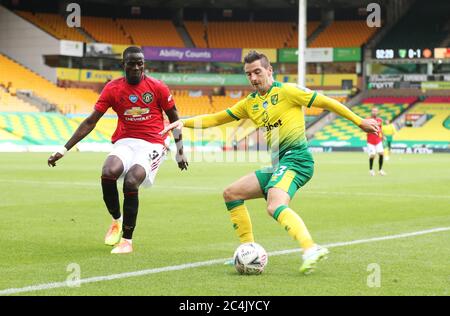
x=246, y=34
x=105, y=30
x=10, y=103
x=151, y=32
x=434, y=130
x=67, y=100
x=344, y=34
x=343, y=132
x=53, y=24
x=44, y=128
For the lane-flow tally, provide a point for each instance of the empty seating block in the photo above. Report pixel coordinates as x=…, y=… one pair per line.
x=434, y=130
x=9, y=103
x=342, y=132
x=246, y=34
x=66, y=99
x=53, y=24
x=105, y=30
x=43, y=128
x=344, y=34
x=151, y=32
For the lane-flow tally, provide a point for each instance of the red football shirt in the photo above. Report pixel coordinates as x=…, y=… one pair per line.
x=138, y=107
x=374, y=139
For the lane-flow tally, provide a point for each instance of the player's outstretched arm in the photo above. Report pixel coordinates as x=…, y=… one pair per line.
x=201, y=121
x=82, y=131
x=324, y=102
x=172, y=114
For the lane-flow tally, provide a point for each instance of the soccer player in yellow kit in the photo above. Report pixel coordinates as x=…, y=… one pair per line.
x=277, y=107
x=388, y=132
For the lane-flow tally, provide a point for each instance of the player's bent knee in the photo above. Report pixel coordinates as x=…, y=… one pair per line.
x=228, y=195
x=111, y=173
x=132, y=182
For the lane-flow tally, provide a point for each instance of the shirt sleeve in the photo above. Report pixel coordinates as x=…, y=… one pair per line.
x=167, y=102
x=300, y=95
x=327, y=103
x=104, y=102
x=239, y=110
x=209, y=120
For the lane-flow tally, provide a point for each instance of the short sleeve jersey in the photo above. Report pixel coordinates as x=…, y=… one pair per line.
x=139, y=108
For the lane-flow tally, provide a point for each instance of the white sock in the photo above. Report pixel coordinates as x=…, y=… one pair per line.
x=129, y=240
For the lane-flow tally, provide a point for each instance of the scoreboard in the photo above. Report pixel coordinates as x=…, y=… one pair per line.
x=402, y=53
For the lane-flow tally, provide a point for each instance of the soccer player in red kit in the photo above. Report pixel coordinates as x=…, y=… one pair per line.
x=375, y=145
x=138, y=149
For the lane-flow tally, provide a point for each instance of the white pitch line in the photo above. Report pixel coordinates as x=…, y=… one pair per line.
x=396, y=195
x=210, y=189
x=55, y=285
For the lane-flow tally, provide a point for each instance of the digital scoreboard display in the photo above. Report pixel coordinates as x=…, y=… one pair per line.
x=402, y=53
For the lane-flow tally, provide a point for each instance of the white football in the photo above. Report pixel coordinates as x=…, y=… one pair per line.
x=250, y=258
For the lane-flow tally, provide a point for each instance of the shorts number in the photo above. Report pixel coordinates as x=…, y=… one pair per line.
x=280, y=171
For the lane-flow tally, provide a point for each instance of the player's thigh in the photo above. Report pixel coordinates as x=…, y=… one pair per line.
x=246, y=188
x=118, y=161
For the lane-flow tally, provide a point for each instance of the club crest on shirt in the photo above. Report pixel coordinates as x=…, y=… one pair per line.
x=133, y=98
x=137, y=111
x=274, y=99
x=147, y=97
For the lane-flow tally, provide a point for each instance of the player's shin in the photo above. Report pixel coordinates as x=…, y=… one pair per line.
x=294, y=225
x=130, y=211
x=241, y=220
x=111, y=196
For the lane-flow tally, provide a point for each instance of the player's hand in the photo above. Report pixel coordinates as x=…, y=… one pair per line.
x=369, y=126
x=53, y=159
x=56, y=156
x=181, y=161
x=175, y=125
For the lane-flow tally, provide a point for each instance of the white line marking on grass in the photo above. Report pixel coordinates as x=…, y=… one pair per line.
x=395, y=195
x=55, y=285
x=92, y=184
x=212, y=189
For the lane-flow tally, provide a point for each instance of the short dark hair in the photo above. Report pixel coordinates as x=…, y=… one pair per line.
x=253, y=56
x=132, y=50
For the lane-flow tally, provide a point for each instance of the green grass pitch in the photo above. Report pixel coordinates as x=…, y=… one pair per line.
x=54, y=217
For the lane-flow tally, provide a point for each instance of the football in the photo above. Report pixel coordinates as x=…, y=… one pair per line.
x=250, y=258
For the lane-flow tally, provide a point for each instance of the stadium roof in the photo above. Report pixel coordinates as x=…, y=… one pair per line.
x=263, y=4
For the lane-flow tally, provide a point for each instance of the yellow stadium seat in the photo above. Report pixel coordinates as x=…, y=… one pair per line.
x=54, y=24
x=344, y=34
x=68, y=100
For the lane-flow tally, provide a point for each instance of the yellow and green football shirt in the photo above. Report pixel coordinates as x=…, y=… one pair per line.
x=279, y=112
x=389, y=130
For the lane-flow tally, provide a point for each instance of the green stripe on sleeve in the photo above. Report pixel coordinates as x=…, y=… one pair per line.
x=312, y=99
x=232, y=115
